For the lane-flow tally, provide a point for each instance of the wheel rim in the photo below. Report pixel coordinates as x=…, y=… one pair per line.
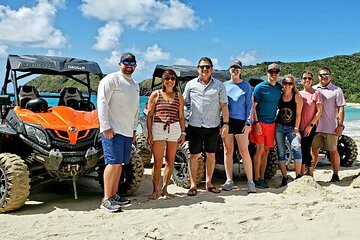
x=180, y=165
x=3, y=184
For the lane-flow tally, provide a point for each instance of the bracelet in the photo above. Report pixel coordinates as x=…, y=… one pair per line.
x=183, y=133
x=226, y=123
x=255, y=122
x=295, y=128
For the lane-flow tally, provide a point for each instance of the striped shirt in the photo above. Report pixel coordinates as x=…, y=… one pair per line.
x=165, y=111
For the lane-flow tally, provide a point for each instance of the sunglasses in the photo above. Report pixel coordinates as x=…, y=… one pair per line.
x=288, y=83
x=307, y=78
x=235, y=67
x=324, y=75
x=204, y=67
x=169, y=78
x=271, y=71
x=127, y=63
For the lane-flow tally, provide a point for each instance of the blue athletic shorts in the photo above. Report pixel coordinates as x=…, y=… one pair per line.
x=117, y=150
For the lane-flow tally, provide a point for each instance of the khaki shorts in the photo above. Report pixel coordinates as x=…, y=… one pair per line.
x=328, y=141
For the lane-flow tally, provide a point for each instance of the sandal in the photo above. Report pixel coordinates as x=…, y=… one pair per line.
x=213, y=189
x=192, y=192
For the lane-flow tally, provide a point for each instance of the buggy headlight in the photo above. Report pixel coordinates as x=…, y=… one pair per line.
x=36, y=134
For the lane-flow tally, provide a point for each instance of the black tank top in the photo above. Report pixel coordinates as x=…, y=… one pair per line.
x=287, y=112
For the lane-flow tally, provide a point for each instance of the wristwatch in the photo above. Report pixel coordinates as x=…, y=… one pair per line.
x=226, y=123
x=311, y=124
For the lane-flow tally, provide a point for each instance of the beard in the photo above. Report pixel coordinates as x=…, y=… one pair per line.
x=129, y=70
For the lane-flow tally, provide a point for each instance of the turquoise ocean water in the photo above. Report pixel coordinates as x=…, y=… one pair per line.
x=352, y=115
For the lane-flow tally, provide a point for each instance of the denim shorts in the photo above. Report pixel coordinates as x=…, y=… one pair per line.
x=169, y=133
x=117, y=150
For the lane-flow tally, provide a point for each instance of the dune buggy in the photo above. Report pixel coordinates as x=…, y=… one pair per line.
x=40, y=142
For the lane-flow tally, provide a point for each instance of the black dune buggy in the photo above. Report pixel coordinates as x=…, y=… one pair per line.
x=180, y=174
x=40, y=142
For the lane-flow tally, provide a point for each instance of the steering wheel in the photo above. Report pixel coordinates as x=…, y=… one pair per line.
x=83, y=105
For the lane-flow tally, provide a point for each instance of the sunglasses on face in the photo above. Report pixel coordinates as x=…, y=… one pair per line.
x=235, y=67
x=127, y=63
x=324, y=75
x=204, y=67
x=307, y=78
x=169, y=78
x=275, y=72
x=288, y=83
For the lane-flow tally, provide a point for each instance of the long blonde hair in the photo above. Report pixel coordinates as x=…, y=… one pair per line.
x=292, y=78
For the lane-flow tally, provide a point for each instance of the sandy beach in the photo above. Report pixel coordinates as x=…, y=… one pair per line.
x=305, y=209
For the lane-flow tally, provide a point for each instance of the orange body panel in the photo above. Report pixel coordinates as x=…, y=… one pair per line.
x=61, y=118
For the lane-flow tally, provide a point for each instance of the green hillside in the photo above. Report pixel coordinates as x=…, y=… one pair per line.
x=345, y=69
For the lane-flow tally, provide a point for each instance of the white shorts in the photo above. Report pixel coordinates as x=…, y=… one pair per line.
x=171, y=133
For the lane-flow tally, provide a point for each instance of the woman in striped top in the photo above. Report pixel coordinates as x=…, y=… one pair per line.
x=166, y=127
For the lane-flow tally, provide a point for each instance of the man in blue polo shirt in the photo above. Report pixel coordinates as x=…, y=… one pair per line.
x=266, y=97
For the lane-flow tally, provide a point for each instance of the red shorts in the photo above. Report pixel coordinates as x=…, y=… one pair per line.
x=267, y=137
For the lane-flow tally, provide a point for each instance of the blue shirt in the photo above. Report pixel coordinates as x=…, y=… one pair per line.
x=239, y=98
x=204, y=102
x=267, y=97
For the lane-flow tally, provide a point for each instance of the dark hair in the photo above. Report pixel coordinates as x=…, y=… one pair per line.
x=169, y=71
x=205, y=59
x=325, y=69
x=307, y=72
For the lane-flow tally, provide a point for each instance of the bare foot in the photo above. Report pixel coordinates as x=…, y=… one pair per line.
x=166, y=195
x=154, y=196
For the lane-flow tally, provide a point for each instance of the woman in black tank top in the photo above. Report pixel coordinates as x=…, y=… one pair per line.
x=287, y=126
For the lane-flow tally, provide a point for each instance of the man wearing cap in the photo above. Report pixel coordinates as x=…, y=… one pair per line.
x=330, y=124
x=118, y=108
x=266, y=97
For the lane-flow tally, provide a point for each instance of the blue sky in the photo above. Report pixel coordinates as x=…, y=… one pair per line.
x=179, y=32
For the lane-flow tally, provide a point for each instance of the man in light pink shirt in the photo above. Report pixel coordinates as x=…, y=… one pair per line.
x=330, y=125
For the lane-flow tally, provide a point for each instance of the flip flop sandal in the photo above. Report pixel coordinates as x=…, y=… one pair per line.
x=192, y=192
x=214, y=189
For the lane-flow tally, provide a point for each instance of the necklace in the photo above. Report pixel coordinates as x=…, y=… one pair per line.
x=169, y=97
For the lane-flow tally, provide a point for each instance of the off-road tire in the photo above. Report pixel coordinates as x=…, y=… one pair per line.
x=289, y=158
x=272, y=163
x=181, y=172
x=144, y=148
x=132, y=174
x=347, y=150
x=14, y=182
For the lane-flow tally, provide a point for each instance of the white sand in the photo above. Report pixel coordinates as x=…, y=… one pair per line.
x=305, y=209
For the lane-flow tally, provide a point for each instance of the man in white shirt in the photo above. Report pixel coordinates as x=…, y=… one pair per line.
x=118, y=109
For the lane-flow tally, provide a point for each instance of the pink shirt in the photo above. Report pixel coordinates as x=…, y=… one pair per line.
x=333, y=98
x=309, y=107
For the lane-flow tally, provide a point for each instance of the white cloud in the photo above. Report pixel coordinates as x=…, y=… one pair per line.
x=51, y=52
x=108, y=36
x=216, y=64
x=3, y=52
x=155, y=53
x=183, y=61
x=143, y=15
x=247, y=58
x=31, y=26
x=113, y=59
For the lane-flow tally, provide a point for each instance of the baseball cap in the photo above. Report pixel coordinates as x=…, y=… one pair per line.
x=274, y=66
x=127, y=56
x=236, y=63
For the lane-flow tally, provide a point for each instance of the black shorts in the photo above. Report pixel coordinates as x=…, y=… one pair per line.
x=201, y=138
x=236, y=126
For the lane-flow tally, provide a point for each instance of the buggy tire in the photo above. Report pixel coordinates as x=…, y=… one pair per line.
x=272, y=161
x=144, y=149
x=272, y=164
x=347, y=150
x=181, y=172
x=132, y=174
x=14, y=182
x=289, y=158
